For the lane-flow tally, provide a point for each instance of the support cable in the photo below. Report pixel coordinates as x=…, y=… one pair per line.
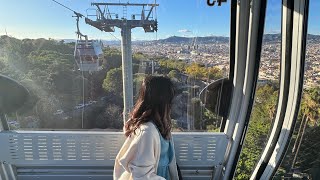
x=114, y=36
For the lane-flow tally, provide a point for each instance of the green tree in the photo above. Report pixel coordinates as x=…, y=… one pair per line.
x=173, y=74
x=214, y=73
x=113, y=59
x=113, y=82
x=303, y=150
x=196, y=71
x=259, y=125
x=137, y=81
x=211, y=121
x=110, y=118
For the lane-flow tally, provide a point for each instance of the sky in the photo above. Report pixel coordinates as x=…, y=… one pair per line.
x=46, y=19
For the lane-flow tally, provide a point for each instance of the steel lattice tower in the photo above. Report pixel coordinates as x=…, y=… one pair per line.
x=107, y=22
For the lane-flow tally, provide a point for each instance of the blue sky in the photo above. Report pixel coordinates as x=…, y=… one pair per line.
x=44, y=18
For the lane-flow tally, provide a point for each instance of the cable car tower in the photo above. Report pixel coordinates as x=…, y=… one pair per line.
x=106, y=21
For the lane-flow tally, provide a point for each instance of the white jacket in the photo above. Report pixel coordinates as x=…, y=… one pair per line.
x=139, y=156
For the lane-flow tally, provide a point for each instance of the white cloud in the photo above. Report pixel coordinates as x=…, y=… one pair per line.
x=184, y=31
x=273, y=31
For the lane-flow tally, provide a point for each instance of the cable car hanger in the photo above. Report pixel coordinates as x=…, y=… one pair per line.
x=88, y=53
x=78, y=16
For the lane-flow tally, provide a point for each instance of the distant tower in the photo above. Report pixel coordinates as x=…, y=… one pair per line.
x=106, y=21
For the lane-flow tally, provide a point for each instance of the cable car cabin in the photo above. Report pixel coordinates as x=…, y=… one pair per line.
x=89, y=154
x=88, y=55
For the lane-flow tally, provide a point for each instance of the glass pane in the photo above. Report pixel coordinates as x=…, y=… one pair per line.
x=266, y=93
x=74, y=85
x=302, y=160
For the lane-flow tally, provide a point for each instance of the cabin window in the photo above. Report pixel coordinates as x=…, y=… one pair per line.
x=74, y=86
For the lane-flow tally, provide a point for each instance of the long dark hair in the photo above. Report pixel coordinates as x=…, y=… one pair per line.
x=153, y=104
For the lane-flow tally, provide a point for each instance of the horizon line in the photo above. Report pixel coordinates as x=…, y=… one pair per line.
x=48, y=38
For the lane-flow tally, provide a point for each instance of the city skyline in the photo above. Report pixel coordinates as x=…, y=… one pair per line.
x=46, y=19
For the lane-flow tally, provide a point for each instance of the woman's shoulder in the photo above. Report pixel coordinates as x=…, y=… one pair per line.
x=146, y=132
x=148, y=127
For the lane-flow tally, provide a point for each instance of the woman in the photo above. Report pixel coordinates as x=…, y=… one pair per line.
x=148, y=151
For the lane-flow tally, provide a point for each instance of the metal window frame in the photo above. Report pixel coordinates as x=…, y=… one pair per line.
x=7, y=171
x=256, y=37
x=233, y=33
x=294, y=32
x=250, y=27
x=232, y=50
